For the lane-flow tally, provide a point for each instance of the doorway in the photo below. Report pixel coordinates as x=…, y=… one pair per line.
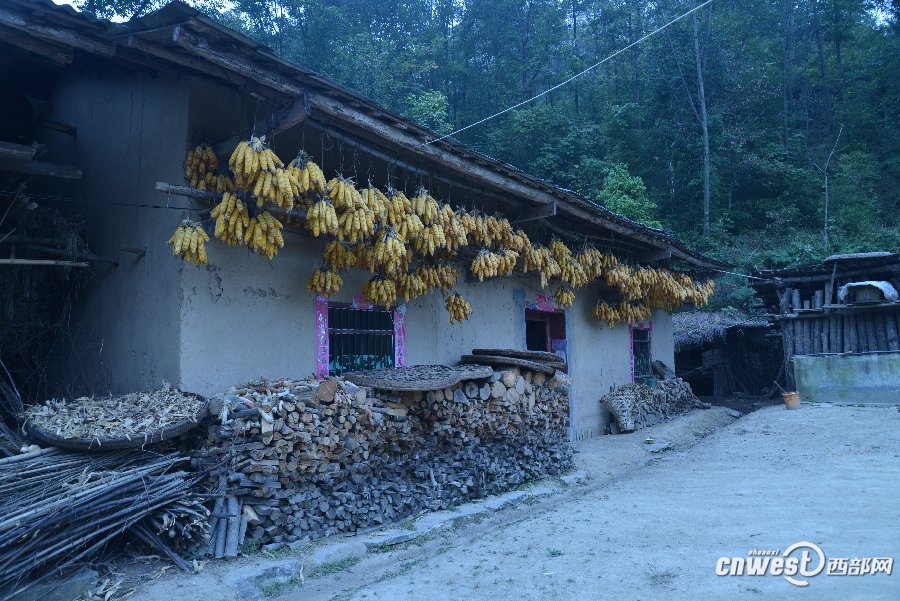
x=546, y=331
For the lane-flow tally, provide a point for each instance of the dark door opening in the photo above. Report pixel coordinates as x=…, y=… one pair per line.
x=546, y=331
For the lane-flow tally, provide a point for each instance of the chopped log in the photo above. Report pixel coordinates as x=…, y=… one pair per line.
x=41, y=168
x=233, y=529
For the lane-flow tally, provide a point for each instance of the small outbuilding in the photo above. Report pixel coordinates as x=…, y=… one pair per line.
x=840, y=324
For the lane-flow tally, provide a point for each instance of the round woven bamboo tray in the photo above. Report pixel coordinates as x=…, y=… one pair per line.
x=532, y=365
x=410, y=378
x=474, y=372
x=539, y=356
x=120, y=442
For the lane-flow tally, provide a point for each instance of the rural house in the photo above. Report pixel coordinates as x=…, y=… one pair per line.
x=130, y=100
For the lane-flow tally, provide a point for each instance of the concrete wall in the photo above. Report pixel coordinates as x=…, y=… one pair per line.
x=131, y=133
x=866, y=379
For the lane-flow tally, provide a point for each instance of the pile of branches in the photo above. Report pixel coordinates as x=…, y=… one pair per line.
x=59, y=508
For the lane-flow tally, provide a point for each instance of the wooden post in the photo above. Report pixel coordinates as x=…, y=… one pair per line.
x=799, y=339
x=871, y=331
x=795, y=300
x=832, y=334
x=818, y=299
x=862, y=333
x=783, y=301
x=815, y=339
x=787, y=339
x=877, y=320
x=839, y=330
x=890, y=327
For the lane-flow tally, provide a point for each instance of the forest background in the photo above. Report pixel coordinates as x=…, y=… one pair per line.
x=761, y=132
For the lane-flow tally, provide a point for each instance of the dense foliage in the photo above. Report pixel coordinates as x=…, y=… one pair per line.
x=786, y=92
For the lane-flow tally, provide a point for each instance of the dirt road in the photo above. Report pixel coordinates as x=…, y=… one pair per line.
x=825, y=475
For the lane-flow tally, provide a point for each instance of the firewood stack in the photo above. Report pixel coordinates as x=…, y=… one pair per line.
x=307, y=459
x=637, y=406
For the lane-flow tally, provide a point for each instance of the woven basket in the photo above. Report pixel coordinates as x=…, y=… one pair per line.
x=121, y=442
x=410, y=378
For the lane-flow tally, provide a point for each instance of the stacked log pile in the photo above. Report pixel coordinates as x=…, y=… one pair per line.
x=637, y=406
x=307, y=459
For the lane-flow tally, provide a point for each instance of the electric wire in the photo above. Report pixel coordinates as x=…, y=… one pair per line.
x=574, y=77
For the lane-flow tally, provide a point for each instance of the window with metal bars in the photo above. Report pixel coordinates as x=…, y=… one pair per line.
x=359, y=339
x=640, y=354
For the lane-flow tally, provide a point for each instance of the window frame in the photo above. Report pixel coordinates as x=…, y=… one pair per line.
x=647, y=327
x=323, y=350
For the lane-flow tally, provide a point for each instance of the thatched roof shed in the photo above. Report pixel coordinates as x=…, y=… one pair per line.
x=695, y=328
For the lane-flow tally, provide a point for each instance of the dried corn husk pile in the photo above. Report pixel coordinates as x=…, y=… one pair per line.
x=116, y=416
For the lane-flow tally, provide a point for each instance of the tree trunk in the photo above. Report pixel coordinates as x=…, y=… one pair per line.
x=704, y=125
x=787, y=69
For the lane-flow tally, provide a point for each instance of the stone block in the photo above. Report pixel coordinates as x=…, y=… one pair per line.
x=247, y=582
x=337, y=552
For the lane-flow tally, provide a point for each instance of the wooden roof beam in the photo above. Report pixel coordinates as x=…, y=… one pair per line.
x=59, y=55
x=38, y=29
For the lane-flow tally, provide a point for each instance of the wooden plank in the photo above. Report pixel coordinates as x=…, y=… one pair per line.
x=536, y=213
x=17, y=152
x=654, y=256
x=832, y=334
x=862, y=333
x=70, y=37
x=787, y=339
x=41, y=262
x=41, y=168
x=839, y=331
x=871, y=334
x=57, y=126
x=13, y=239
x=57, y=54
x=185, y=60
x=276, y=123
x=201, y=47
x=891, y=332
x=878, y=324
x=851, y=340
x=817, y=333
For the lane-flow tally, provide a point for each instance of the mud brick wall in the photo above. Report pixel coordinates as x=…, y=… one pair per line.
x=300, y=460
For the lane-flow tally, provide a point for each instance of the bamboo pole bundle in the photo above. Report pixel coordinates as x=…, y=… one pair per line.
x=57, y=510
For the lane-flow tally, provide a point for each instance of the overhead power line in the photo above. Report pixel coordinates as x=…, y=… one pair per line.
x=573, y=78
